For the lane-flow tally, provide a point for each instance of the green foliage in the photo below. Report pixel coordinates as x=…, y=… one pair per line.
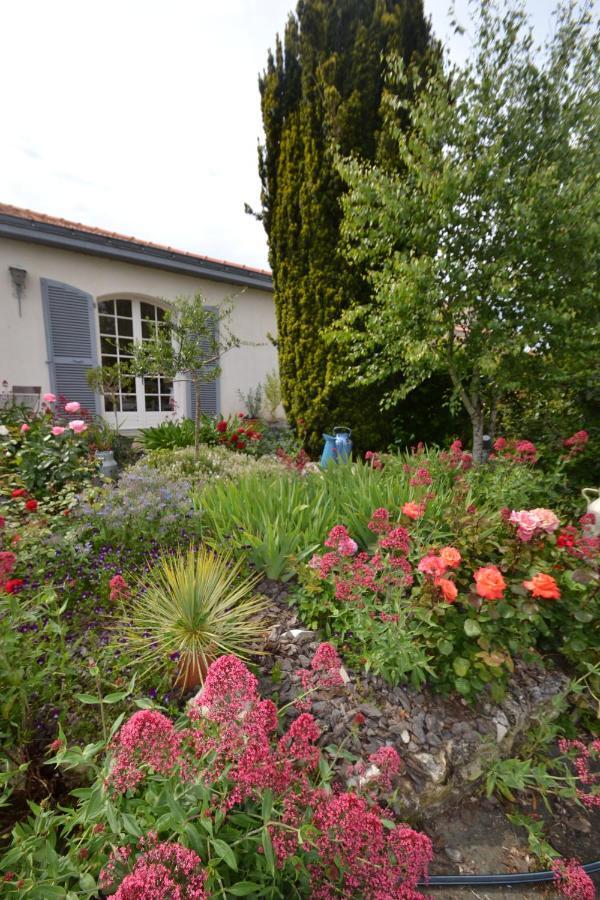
x=194, y=604
x=272, y=391
x=191, y=344
x=106, y=380
x=252, y=400
x=169, y=435
x=51, y=467
x=323, y=87
x=482, y=244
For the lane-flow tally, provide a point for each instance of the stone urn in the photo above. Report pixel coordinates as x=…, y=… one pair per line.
x=592, y=497
x=109, y=464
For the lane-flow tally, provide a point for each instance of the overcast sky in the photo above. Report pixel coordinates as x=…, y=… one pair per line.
x=143, y=116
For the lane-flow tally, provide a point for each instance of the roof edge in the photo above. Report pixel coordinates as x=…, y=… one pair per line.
x=80, y=240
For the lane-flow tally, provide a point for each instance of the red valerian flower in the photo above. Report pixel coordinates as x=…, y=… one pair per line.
x=572, y=880
x=19, y=492
x=118, y=588
x=2, y=521
x=221, y=426
x=31, y=505
x=13, y=585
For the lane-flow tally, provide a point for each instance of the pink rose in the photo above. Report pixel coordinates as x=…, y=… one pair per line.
x=49, y=398
x=77, y=425
x=72, y=407
x=546, y=520
x=526, y=524
x=56, y=430
x=24, y=427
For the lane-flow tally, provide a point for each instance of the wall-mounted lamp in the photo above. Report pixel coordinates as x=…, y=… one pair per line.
x=18, y=279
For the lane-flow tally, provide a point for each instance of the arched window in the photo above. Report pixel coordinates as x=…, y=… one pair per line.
x=121, y=322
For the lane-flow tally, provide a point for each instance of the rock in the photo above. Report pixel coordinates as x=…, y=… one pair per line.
x=435, y=767
x=502, y=725
x=405, y=737
x=369, y=709
x=455, y=855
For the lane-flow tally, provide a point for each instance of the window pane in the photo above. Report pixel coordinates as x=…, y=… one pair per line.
x=148, y=311
x=108, y=360
x=125, y=327
x=166, y=385
x=106, y=306
x=128, y=385
x=151, y=404
x=165, y=403
x=108, y=345
x=151, y=385
x=124, y=308
x=148, y=330
x=107, y=325
x=108, y=404
x=129, y=403
x=125, y=347
x=160, y=314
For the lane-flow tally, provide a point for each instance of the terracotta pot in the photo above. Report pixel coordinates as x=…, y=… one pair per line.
x=191, y=675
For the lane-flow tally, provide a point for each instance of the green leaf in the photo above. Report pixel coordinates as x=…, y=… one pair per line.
x=243, y=888
x=267, y=805
x=116, y=696
x=268, y=848
x=583, y=615
x=445, y=647
x=87, y=882
x=87, y=698
x=472, y=629
x=130, y=824
x=461, y=666
x=225, y=852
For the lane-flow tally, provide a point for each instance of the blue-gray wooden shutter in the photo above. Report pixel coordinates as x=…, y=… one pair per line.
x=209, y=390
x=71, y=341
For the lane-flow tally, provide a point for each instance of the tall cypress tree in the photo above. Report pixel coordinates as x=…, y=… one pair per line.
x=321, y=93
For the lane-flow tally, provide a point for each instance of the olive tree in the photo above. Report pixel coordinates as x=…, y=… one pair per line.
x=482, y=244
x=189, y=346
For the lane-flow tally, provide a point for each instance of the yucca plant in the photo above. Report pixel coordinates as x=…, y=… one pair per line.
x=194, y=604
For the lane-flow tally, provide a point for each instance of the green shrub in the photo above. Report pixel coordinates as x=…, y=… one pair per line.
x=169, y=435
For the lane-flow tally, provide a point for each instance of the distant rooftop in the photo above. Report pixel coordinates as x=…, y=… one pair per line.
x=40, y=228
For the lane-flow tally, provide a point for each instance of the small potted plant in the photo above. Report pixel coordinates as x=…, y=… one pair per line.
x=101, y=439
x=191, y=608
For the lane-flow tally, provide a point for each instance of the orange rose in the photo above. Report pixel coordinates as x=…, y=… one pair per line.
x=489, y=583
x=451, y=557
x=543, y=586
x=448, y=589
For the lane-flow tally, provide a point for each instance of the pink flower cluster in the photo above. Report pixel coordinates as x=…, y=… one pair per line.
x=456, y=457
x=387, y=568
x=374, y=459
x=162, y=870
x=148, y=740
x=532, y=523
x=585, y=756
x=339, y=539
x=118, y=588
x=325, y=670
x=379, y=772
x=369, y=861
x=522, y=452
x=572, y=880
x=576, y=444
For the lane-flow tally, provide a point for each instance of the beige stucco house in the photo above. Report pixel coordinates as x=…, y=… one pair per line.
x=73, y=297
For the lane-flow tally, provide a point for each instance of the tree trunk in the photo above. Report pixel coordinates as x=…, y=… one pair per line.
x=477, y=421
x=196, y=419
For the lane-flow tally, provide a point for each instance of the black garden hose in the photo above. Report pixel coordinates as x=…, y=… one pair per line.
x=498, y=880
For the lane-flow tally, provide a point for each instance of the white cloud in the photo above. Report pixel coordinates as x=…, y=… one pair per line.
x=142, y=116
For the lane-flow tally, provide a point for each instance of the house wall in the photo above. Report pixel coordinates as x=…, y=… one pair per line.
x=23, y=352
